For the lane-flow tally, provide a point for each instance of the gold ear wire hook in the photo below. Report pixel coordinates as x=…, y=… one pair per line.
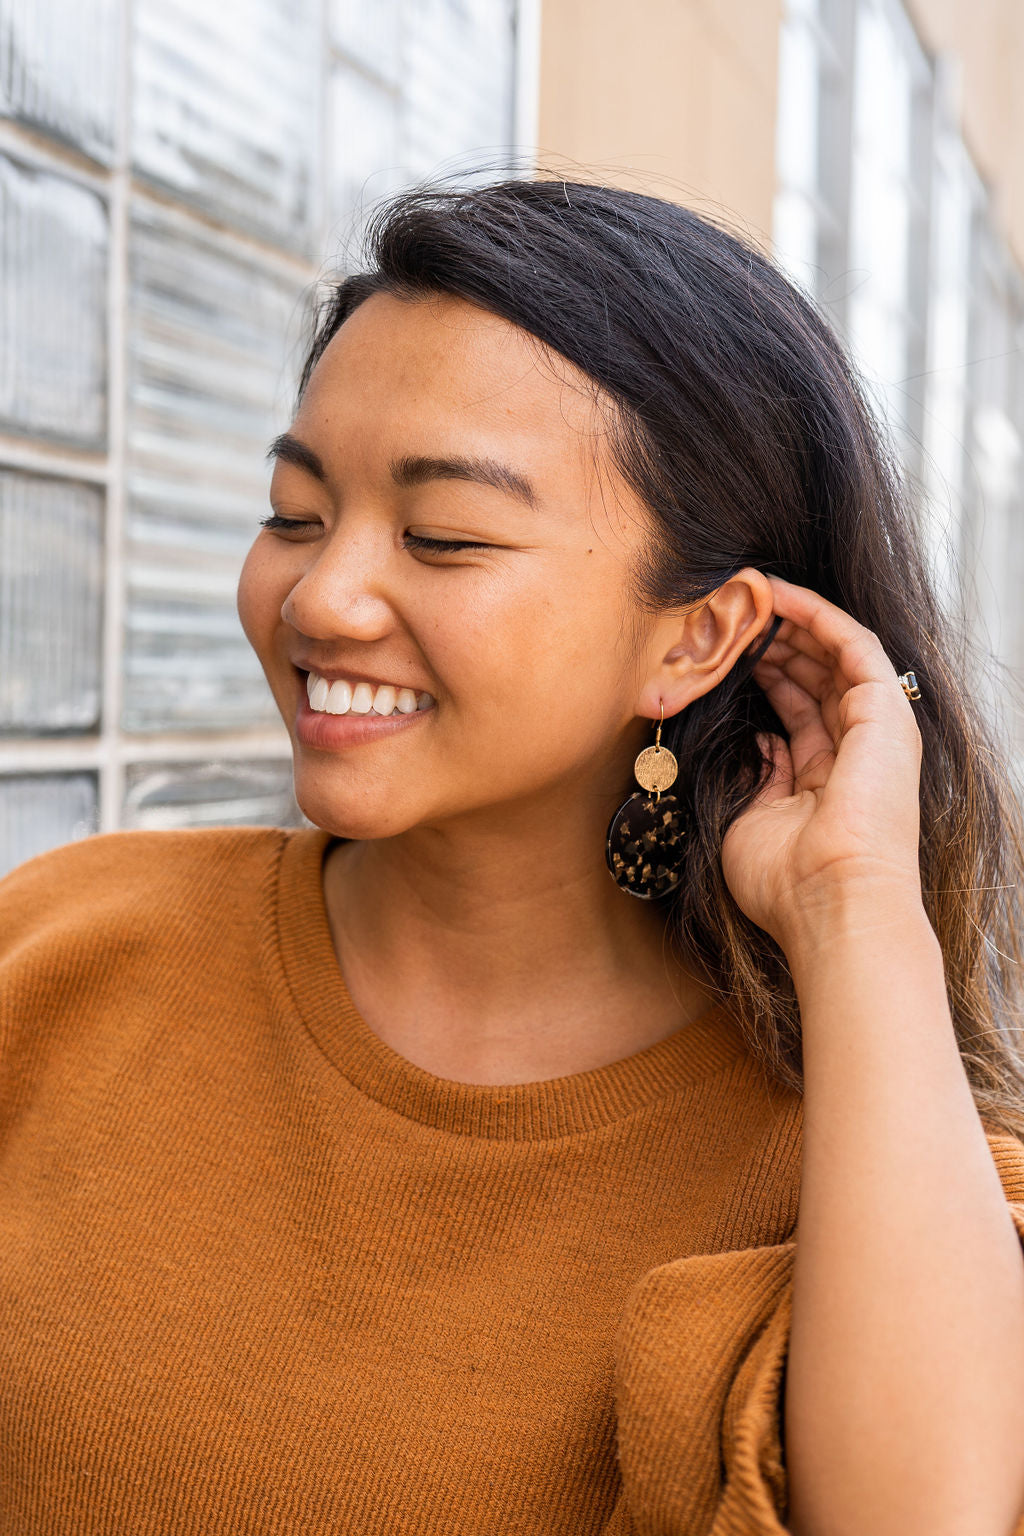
x=657, y=742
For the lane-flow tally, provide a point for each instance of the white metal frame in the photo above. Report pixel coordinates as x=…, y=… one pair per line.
x=960, y=507
x=526, y=105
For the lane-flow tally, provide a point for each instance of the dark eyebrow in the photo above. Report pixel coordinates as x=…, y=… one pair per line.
x=416, y=469
x=292, y=451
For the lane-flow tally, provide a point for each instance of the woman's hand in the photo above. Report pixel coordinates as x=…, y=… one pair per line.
x=904, y=1387
x=838, y=821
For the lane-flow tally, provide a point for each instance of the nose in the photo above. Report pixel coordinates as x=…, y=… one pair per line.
x=342, y=593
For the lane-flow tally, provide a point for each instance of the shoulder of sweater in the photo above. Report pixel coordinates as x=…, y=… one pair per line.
x=117, y=879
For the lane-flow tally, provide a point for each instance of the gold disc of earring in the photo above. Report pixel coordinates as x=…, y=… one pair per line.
x=656, y=768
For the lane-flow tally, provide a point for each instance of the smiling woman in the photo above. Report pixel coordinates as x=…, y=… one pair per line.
x=406, y=1172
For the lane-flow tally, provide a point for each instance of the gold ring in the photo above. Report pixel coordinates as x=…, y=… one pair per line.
x=908, y=682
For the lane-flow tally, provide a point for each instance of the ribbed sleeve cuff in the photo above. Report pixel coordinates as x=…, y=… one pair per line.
x=699, y=1381
x=699, y=1378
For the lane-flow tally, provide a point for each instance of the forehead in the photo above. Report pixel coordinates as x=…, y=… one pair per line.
x=441, y=368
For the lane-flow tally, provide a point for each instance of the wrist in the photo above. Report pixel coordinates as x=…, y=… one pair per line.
x=871, y=989
x=854, y=917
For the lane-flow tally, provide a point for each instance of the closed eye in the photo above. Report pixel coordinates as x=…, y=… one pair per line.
x=276, y=523
x=441, y=546
x=288, y=523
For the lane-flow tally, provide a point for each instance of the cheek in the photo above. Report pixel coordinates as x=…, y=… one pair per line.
x=484, y=639
x=257, y=600
x=547, y=647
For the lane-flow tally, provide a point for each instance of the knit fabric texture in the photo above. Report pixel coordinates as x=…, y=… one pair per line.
x=261, y=1274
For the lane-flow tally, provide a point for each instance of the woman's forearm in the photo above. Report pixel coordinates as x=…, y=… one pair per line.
x=905, y=1383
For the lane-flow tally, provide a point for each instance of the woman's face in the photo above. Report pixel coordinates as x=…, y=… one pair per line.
x=497, y=584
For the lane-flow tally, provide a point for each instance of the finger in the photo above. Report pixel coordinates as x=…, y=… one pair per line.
x=794, y=705
x=790, y=638
x=822, y=683
x=842, y=704
x=814, y=680
x=856, y=649
x=811, y=743
x=814, y=677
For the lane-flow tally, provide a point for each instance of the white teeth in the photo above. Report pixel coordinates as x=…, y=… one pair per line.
x=343, y=698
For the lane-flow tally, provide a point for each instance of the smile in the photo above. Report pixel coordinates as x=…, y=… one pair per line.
x=360, y=698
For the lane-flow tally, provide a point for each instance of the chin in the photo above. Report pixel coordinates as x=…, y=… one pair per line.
x=341, y=817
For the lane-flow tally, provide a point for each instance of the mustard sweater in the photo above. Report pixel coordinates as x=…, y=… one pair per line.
x=260, y=1274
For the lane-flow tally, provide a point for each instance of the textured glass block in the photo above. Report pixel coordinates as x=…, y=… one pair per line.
x=53, y=279
x=51, y=604
x=224, y=108
x=41, y=811
x=458, y=73
x=60, y=69
x=209, y=386
x=216, y=794
x=434, y=94
x=188, y=665
x=366, y=157
x=370, y=34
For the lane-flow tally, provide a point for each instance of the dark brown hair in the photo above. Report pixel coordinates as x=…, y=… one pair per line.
x=740, y=423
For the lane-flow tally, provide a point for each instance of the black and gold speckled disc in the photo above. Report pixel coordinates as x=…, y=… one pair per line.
x=643, y=845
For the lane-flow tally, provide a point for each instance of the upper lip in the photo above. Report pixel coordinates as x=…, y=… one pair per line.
x=352, y=675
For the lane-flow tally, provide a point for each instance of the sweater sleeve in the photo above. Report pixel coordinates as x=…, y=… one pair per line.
x=699, y=1379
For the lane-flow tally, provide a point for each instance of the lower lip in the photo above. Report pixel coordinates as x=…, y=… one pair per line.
x=329, y=733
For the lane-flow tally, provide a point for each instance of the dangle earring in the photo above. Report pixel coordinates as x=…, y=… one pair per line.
x=644, y=833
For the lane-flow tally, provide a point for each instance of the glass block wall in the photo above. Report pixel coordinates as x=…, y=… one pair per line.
x=173, y=175
x=883, y=217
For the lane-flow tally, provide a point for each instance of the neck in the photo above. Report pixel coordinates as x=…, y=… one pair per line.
x=499, y=949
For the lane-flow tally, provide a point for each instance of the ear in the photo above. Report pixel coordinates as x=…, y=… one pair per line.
x=689, y=652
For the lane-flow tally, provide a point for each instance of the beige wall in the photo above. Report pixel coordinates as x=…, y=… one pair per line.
x=672, y=97
x=678, y=96
x=986, y=41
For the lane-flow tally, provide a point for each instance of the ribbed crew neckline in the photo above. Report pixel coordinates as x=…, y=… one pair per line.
x=562, y=1106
